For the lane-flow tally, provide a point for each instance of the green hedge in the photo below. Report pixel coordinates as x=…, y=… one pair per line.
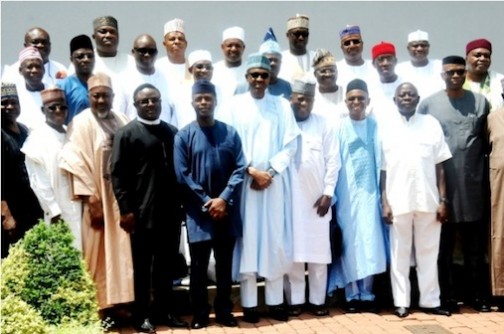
x=46, y=274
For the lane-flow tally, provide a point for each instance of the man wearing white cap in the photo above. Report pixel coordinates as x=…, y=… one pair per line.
x=269, y=134
x=423, y=72
x=50, y=184
x=144, y=52
x=230, y=72
x=31, y=68
x=314, y=175
x=53, y=70
x=86, y=156
x=174, y=64
x=297, y=60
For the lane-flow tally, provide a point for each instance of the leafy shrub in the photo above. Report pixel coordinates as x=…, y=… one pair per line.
x=19, y=317
x=46, y=272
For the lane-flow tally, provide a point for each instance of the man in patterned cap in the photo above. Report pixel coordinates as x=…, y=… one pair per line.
x=20, y=207
x=266, y=122
x=480, y=79
x=328, y=93
x=463, y=116
x=298, y=59
x=86, y=156
x=75, y=86
x=32, y=70
x=353, y=66
x=50, y=184
x=174, y=64
x=314, y=175
x=53, y=70
x=106, y=36
x=229, y=73
x=421, y=70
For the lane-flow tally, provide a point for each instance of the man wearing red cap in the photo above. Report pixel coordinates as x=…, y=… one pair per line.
x=385, y=60
x=50, y=184
x=480, y=79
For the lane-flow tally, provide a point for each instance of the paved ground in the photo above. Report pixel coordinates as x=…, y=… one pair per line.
x=468, y=321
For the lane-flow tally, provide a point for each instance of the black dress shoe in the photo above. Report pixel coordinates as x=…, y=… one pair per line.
x=199, y=323
x=401, y=312
x=319, y=310
x=436, y=311
x=451, y=305
x=278, y=312
x=481, y=305
x=295, y=310
x=173, y=321
x=369, y=306
x=145, y=327
x=227, y=320
x=352, y=306
x=251, y=315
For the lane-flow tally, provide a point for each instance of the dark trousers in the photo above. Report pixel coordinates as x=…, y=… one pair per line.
x=475, y=274
x=154, y=254
x=200, y=256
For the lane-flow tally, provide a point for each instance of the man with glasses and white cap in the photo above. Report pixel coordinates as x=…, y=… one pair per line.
x=423, y=72
x=353, y=66
x=298, y=59
x=174, y=64
x=268, y=131
x=230, y=72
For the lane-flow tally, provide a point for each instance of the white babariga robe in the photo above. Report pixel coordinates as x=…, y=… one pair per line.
x=269, y=133
x=228, y=78
x=314, y=173
x=175, y=73
x=384, y=91
x=31, y=108
x=293, y=66
x=49, y=182
x=54, y=73
x=347, y=73
x=491, y=89
x=130, y=79
x=427, y=79
x=325, y=104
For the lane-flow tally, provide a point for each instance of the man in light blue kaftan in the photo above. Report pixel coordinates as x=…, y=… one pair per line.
x=268, y=132
x=358, y=205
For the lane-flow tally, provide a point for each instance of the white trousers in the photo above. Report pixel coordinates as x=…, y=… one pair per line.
x=295, y=283
x=273, y=291
x=422, y=229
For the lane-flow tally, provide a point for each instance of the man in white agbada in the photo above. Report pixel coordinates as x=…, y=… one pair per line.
x=268, y=131
x=142, y=71
x=423, y=72
x=53, y=70
x=230, y=72
x=48, y=181
x=329, y=96
x=314, y=175
x=353, y=66
x=174, y=65
x=31, y=69
x=297, y=61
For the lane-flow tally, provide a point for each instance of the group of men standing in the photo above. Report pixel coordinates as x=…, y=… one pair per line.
x=265, y=176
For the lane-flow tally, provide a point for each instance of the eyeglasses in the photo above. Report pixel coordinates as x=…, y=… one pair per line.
x=144, y=51
x=452, y=72
x=203, y=66
x=145, y=102
x=352, y=41
x=298, y=34
x=256, y=75
x=53, y=107
x=356, y=98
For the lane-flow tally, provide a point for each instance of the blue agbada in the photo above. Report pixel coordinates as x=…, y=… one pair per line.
x=209, y=163
x=76, y=95
x=358, y=211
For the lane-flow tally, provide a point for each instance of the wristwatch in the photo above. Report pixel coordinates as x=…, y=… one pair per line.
x=272, y=172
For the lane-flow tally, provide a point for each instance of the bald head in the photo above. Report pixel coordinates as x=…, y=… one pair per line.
x=40, y=39
x=145, y=51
